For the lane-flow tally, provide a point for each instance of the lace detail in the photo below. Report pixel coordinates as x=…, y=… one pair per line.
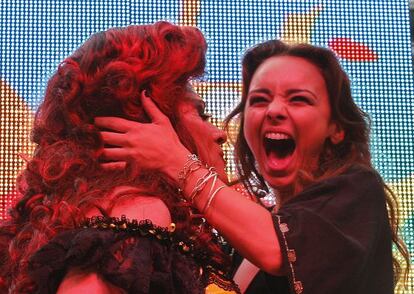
x=167, y=236
x=127, y=260
x=143, y=228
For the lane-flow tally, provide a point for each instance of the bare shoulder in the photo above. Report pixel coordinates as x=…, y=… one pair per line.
x=142, y=208
x=137, y=206
x=79, y=281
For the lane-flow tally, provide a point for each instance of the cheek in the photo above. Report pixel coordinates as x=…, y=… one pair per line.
x=203, y=134
x=310, y=123
x=251, y=133
x=197, y=129
x=305, y=117
x=313, y=139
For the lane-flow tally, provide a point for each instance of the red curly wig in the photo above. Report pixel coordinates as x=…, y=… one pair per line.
x=104, y=77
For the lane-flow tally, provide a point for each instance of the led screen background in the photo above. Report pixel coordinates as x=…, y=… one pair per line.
x=371, y=38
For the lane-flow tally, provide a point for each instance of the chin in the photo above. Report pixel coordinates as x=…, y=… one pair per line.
x=281, y=183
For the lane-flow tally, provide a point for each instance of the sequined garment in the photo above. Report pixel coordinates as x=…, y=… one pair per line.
x=137, y=257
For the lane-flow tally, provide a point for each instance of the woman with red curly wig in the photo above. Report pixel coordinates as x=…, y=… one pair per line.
x=82, y=224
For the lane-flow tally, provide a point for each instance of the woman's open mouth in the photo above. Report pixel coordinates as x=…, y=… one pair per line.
x=279, y=149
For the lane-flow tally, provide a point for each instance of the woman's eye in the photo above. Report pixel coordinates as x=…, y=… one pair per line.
x=302, y=99
x=257, y=99
x=205, y=116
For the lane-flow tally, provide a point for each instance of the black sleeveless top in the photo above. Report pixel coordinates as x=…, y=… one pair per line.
x=137, y=257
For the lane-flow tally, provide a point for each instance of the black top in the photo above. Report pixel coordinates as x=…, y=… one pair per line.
x=335, y=237
x=137, y=257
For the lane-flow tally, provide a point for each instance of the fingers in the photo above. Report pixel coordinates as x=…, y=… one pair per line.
x=118, y=165
x=114, y=139
x=152, y=109
x=118, y=157
x=115, y=154
x=123, y=125
x=115, y=123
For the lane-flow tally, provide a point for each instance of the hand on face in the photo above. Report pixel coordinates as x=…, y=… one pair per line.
x=156, y=145
x=206, y=136
x=153, y=145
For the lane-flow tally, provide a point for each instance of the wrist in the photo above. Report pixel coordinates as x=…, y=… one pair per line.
x=175, y=164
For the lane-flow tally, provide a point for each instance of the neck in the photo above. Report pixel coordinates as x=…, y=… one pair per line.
x=286, y=193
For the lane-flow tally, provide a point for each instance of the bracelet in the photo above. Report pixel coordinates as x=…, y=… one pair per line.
x=192, y=164
x=214, y=176
x=202, y=182
x=211, y=198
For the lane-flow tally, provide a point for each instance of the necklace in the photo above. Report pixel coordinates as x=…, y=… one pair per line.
x=268, y=199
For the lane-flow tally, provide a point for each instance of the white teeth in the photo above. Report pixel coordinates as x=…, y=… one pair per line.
x=277, y=136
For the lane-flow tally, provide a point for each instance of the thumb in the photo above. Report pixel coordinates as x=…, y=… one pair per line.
x=152, y=109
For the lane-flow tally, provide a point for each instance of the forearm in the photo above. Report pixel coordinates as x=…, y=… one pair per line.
x=247, y=226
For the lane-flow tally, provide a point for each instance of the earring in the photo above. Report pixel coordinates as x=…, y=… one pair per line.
x=338, y=137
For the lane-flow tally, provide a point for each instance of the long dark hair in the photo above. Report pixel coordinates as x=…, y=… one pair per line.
x=335, y=158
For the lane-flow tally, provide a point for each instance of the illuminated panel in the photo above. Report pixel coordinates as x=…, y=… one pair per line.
x=371, y=38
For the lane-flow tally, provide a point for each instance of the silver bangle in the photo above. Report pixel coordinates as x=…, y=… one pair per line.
x=211, y=198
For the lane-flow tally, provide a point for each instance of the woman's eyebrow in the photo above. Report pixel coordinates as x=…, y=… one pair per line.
x=261, y=91
x=295, y=91
x=286, y=93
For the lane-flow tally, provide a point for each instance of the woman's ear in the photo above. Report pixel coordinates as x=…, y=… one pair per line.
x=337, y=133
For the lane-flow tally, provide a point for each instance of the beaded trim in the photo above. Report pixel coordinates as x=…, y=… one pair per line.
x=242, y=190
x=291, y=254
x=145, y=228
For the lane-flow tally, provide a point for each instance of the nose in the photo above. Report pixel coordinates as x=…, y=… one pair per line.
x=220, y=136
x=276, y=111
